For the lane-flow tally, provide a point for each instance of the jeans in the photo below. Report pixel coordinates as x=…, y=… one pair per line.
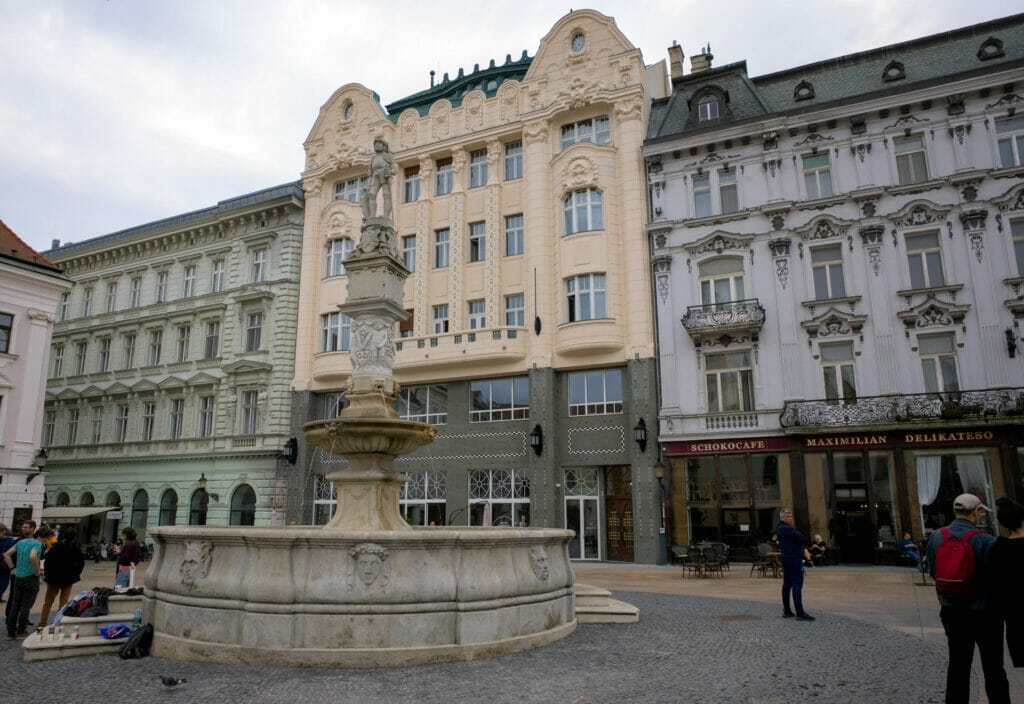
x=963, y=629
x=123, y=578
x=793, y=581
x=23, y=595
x=52, y=590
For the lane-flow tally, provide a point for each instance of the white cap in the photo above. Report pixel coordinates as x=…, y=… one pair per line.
x=968, y=502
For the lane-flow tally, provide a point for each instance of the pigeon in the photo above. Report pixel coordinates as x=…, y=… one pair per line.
x=172, y=681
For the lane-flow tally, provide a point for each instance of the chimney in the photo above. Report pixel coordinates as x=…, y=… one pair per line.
x=55, y=244
x=702, y=61
x=675, y=60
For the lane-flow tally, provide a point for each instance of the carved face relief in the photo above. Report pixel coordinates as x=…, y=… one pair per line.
x=539, y=563
x=369, y=566
x=195, y=564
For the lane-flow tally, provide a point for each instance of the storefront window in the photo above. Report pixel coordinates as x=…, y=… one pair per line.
x=941, y=478
x=702, y=499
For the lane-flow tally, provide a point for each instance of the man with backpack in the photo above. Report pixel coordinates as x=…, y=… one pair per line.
x=958, y=561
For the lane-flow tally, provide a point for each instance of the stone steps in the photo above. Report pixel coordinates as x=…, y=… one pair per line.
x=595, y=605
x=39, y=647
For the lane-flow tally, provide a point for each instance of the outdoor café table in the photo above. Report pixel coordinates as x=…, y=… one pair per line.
x=776, y=563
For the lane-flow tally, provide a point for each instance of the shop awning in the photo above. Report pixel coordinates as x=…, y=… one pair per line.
x=74, y=513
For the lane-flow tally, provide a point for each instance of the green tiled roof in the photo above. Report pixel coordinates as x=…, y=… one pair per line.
x=454, y=90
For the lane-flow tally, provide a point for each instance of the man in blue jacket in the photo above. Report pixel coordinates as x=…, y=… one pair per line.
x=792, y=554
x=971, y=619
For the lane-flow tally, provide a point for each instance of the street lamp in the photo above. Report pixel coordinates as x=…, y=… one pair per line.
x=537, y=439
x=291, y=451
x=202, y=486
x=640, y=434
x=39, y=462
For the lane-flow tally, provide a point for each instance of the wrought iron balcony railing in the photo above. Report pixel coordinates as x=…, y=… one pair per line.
x=747, y=314
x=905, y=408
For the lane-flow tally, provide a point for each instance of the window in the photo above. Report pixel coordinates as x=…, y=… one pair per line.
x=6, y=323
x=707, y=108
x=411, y=184
x=1017, y=230
x=838, y=371
x=161, y=287
x=121, y=423
x=583, y=211
x=911, y=165
x=702, y=195
x=727, y=191
x=72, y=430
x=97, y=425
x=515, y=310
x=205, y=416
x=440, y=319
x=1010, y=133
x=721, y=281
x=148, y=420
x=87, y=302
x=499, y=497
x=704, y=202
x=422, y=498
x=477, y=315
x=325, y=499
x=513, y=160
x=250, y=411
x=478, y=168
x=184, y=339
x=441, y=248
x=136, y=292
x=409, y=252
x=336, y=330
x=103, y=364
x=253, y=331
x=65, y=300
x=211, y=346
x=259, y=265
x=177, y=414
x=140, y=510
x=938, y=362
x=595, y=131
x=49, y=423
x=111, y=297
x=188, y=287
x=729, y=382
x=198, y=508
x=351, y=190
x=81, y=348
x=337, y=252
x=596, y=392
x=513, y=235
x=334, y=404
x=425, y=404
x=128, y=350
x=243, y=506
x=443, y=180
x=58, y=360
x=499, y=399
x=477, y=242
x=168, y=508
x=827, y=271
x=817, y=176
x=584, y=298
x=925, y=260
x=407, y=327
x=217, y=284
x=156, y=342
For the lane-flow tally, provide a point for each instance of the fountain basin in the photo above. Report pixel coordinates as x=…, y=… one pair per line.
x=388, y=436
x=313, y=597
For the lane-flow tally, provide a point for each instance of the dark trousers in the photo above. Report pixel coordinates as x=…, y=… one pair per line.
x=793, y=581
x=23, y=595
x=1015, y=638
x=964, y=628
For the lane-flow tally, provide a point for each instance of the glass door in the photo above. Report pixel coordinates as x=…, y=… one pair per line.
x=582, y=494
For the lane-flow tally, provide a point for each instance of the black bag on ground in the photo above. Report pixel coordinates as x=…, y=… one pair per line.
x=138, y=643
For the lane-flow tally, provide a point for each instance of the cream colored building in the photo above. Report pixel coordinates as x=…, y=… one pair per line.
x=520, y=205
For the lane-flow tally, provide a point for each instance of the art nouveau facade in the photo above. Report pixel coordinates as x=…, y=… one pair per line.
x=29, y=288
x=170, y=364
x=838, y=262
x=520, y=213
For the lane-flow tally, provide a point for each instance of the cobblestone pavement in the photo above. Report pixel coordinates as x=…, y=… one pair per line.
x=685, y=648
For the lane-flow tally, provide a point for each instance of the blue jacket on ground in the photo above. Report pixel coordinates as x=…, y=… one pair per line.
x=791, y=542
x=982, y=544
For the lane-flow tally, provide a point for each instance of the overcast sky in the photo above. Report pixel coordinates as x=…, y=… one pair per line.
x=114, y=113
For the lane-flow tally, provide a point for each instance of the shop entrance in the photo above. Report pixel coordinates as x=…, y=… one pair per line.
x=862, y=516
x=619, y=513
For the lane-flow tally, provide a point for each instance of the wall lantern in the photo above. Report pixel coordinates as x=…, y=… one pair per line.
x=39, y=462
x=537, y=439
x=640, y=434
x=659, y=470
x=1011, y=343
x=291, y=451
x=202, y=487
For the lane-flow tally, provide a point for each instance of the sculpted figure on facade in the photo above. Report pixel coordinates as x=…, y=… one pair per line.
x=382, y=168
x=373, y=348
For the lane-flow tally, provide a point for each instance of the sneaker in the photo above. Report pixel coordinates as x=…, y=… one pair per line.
x=21, y=636
x=804, y=616
x=788, y=614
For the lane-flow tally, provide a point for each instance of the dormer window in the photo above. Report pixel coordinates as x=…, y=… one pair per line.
x=991, y=48
x=349, y=111
x=707, y=108
x=804, y=91
x=894, y=71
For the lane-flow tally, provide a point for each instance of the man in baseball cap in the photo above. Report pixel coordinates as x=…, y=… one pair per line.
x=968, y=503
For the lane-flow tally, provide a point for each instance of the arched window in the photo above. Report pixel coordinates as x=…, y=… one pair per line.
x=337, y=252
x=63, y=499
x=583, y=211
x=87, y=499
x=721, y=281
x=197, y=508
x=707, y=108
x=113, y=499
x=169, y=508
x=140, y=510
x=243, y=506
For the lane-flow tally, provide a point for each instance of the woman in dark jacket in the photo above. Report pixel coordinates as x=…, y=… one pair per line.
x=1007, y=559
x=130, y=555
x=64, y=563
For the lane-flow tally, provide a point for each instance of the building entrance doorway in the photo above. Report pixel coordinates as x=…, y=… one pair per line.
x=619, y=513
x=862, y=518
x=582, y=494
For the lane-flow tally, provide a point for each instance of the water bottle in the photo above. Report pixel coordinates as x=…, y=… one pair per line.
x=137, y=619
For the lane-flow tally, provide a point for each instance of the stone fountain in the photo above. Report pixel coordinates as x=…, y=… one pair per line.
x=367, y=589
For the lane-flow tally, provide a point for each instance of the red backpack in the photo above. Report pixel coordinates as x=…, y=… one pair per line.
x=954, y=566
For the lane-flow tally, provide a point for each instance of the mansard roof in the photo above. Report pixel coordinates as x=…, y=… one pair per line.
x=888, y=70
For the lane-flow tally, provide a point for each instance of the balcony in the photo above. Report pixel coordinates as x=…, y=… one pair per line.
x=732, y=320
x=985, y=406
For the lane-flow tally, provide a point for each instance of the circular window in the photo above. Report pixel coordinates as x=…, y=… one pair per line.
x=990, y=49
x=349, y=110
x=578, y=42
x=894, y=72
x=803, y=92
